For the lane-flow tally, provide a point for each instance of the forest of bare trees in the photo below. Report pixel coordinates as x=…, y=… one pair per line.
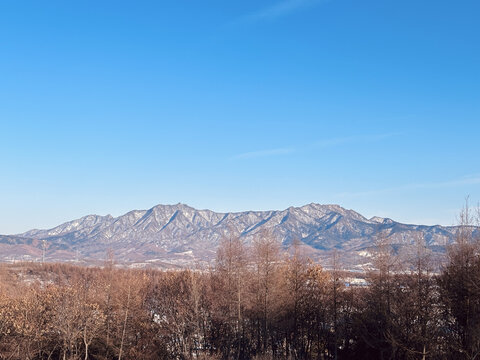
x=257, y=302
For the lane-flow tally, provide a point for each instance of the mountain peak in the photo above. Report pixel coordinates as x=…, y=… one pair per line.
x=173, y=206
x=381, y=220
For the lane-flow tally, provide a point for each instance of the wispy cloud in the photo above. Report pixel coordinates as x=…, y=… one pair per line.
x=279, y=9
x=463, y=181
x=264, y=153
x=324, y=143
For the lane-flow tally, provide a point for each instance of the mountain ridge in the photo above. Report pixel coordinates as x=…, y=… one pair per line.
x=181, y=235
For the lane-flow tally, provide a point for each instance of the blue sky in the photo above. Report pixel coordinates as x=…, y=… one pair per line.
x=108, y=106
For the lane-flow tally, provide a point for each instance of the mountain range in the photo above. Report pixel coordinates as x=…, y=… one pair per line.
x=179, y=235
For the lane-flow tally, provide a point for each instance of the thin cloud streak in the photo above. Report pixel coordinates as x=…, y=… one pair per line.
x=353, y=139
x=278, y=10
x=467, y=180
x=325, y=143
x=264, y=153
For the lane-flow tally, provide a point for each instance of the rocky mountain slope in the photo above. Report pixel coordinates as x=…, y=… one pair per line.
x=181, y=235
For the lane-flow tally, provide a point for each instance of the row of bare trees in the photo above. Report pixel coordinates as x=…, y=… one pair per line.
x=258, y=302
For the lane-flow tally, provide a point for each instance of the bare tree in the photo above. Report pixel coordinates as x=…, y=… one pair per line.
x=459, y=282
x=266, y=249
x=231, y=268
